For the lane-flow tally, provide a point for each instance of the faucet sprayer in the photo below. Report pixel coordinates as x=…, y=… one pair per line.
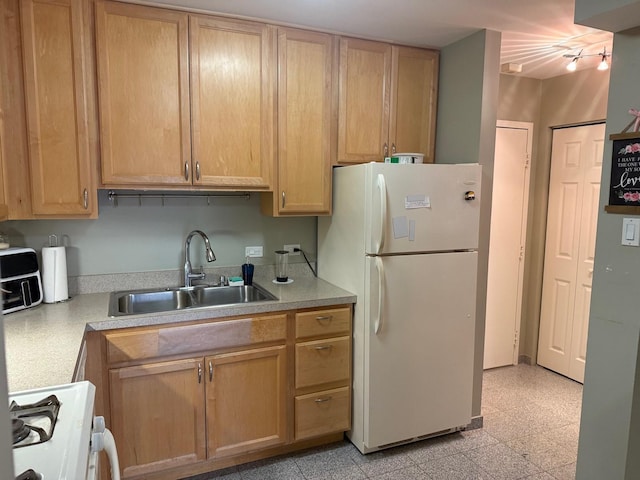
x=188, y=275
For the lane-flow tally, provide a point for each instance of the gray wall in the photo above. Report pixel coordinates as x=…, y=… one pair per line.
x=466, y=126
x=610, y=15
x=150, y=237
x=609, y=431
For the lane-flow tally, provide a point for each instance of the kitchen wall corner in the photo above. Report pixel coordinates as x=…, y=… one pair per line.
x=467, y=114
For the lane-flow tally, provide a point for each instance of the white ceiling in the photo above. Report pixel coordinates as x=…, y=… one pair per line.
x=535, y=33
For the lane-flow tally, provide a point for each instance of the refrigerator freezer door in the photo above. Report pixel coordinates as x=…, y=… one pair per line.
x=421, y=207
x=418, y=370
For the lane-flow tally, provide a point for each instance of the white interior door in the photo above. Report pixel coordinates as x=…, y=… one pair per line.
x=574, y=186
x=507, y=243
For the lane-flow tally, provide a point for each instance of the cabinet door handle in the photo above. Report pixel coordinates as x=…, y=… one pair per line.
x=197, y=170
x=324, y=318
x=283, y=199
x=385, y=149
x=323, y=347
x=210, y=371
x=186, y=170
x=199, y=373
x=85, y=199
x=393, y=148
x=323, y=399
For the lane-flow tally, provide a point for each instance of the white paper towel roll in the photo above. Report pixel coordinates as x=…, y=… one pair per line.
x=54, y=274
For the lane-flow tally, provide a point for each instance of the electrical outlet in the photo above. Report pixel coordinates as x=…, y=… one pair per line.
x=289, y=248
x=253, y=252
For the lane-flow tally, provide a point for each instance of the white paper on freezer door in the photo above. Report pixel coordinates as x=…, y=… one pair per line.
x=419, y=366
x=422, y=208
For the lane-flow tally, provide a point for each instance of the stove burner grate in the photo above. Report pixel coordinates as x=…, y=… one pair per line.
x=20, y=430
x=29, y=475
x=39, y=418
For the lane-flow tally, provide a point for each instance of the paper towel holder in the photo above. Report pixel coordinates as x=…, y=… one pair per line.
x=54, y=273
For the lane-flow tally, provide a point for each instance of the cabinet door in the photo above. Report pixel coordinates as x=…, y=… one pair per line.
x=4, y=211
x=157, y=415
x=143, y=80
x=305, y=122
x=54, y=39
x=232, y=95
x=413, y=101
x=246, y=401
x=363, y=118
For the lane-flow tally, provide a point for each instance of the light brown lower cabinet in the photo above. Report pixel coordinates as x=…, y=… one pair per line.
x=183, y=399
x=322, y=372
x=158, y=415
x=246, y=400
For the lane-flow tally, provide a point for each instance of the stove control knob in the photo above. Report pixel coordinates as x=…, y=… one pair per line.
x=99, y=424
x=97, y=434
x=97, y=441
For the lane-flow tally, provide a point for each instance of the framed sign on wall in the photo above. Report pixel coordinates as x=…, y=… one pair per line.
x=624, y=189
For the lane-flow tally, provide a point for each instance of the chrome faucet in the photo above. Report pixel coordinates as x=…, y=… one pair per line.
x=188, y=275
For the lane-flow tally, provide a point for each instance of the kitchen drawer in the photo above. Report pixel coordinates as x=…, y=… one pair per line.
x=322, y=412
x=323, y=323
x=322, y=361
x=126, y=345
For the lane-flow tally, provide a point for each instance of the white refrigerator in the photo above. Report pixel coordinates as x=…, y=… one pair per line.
x=404, y=239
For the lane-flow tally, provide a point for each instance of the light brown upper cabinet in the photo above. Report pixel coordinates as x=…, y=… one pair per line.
x=154, y=131
x=55, y=88
x=365, y=89
x=414, y=94
x=387, y=101
x=306, y=124
x=4, y=211
x=232, y=101
x=143, y=86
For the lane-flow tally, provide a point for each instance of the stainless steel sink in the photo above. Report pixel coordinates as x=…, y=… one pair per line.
x=134, y=302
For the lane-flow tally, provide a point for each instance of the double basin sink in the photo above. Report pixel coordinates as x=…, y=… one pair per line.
x=136, y=302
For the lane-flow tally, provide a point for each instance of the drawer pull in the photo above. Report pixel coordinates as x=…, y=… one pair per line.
x=323, y=400
x=323, y=347
x=326, y=318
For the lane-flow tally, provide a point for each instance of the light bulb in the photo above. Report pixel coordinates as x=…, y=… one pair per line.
x=603, y=64
x=573, y=65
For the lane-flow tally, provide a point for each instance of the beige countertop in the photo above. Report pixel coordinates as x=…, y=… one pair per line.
x=43, y=342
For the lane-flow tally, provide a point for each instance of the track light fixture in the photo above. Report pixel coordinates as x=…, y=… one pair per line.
x=603, y=63
x=573, y=64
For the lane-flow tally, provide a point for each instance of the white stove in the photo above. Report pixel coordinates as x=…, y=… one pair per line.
x=56, y=435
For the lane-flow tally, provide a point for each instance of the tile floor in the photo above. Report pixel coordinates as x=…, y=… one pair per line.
x=531, y=424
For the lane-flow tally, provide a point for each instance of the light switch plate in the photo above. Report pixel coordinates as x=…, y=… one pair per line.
x=253, y=252
x=631, y=232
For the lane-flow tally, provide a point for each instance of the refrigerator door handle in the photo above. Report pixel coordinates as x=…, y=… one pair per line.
x=380, y=268
x=382, y=188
